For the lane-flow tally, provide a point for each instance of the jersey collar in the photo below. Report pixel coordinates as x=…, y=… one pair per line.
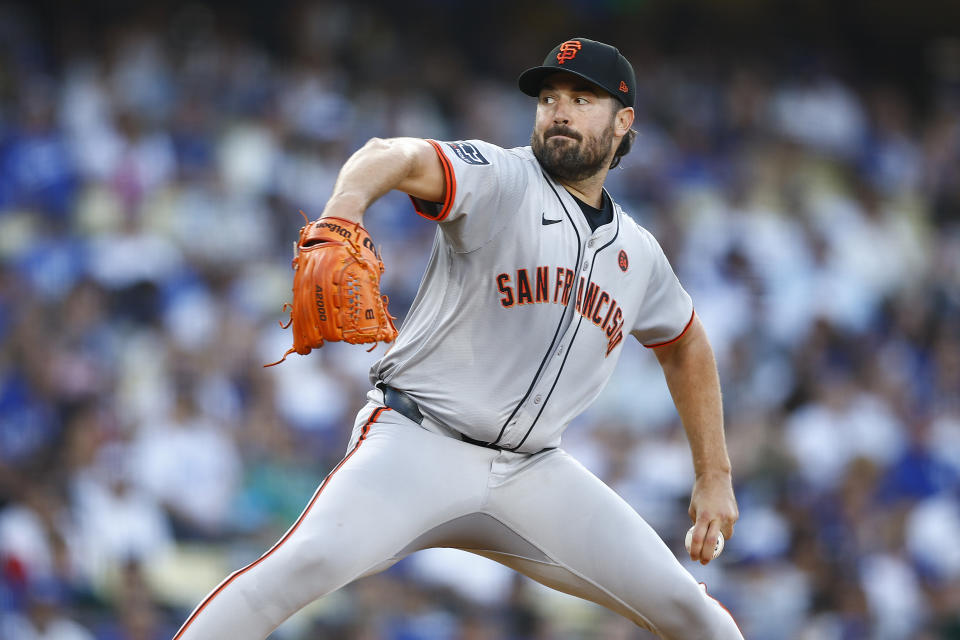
x=604, y=232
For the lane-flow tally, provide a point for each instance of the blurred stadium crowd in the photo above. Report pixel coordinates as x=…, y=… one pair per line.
x=149, y=188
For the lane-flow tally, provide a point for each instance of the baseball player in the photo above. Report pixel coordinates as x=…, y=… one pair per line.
x=535, y=278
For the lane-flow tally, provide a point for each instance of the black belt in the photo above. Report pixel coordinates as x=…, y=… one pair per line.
x=407, y=407
x=401, y=403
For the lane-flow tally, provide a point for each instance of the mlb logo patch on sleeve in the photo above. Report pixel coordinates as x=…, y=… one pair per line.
x=467, y=152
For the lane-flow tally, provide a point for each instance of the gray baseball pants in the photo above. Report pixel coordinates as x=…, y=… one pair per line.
x=403, y=487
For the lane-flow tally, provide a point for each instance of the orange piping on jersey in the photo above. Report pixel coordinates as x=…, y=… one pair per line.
x=685, y=329
x=450, y=187
x=363, y=435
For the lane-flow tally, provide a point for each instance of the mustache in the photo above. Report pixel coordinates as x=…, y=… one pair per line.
x=561, y=130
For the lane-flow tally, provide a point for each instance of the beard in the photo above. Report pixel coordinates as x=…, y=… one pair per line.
x=571, y=160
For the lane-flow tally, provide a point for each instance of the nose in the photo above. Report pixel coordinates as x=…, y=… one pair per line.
x=560, y=114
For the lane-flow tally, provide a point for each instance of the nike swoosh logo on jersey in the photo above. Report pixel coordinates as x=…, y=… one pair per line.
x=545, y=221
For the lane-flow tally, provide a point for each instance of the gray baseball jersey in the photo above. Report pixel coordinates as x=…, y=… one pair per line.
x=522, y=311
x=518, y=324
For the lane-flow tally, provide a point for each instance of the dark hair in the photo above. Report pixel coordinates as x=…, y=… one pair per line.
x=624, y=148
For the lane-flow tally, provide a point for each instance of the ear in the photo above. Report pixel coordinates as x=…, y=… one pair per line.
x=623, y=121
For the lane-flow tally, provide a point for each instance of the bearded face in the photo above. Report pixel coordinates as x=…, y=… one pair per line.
x=570, y=155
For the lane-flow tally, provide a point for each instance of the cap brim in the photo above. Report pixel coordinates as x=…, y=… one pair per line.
x=531, y=80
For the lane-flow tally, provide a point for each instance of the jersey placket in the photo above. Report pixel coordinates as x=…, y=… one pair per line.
x=527, y=416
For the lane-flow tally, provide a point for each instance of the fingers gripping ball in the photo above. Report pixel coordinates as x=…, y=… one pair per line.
x=336, y=288
x=717, y=549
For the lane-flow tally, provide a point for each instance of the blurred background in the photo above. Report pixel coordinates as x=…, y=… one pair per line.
x=799, y=162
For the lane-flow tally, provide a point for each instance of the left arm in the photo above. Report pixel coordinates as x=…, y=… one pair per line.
x=691, y=373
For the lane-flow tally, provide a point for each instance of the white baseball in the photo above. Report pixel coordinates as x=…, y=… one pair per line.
x=716, y=550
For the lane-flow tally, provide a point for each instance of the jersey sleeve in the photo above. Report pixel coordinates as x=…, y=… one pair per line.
x=666, y=311
x=485, y=184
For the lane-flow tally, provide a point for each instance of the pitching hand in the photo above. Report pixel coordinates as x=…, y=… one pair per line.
x=713, y=509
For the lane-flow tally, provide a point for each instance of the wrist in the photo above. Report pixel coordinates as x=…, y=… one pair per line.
x=346, y=206
x=720, y=471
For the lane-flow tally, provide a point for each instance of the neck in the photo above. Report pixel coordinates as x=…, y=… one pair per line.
x=588, y=190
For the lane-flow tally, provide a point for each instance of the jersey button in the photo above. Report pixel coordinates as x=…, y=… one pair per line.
x=537, y=399
x=584, y=268
x=560, y=351
x=590, y=244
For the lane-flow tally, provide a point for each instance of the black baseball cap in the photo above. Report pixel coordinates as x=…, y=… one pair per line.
x=597, y=62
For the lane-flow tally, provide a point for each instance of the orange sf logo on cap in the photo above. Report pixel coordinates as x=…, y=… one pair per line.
x=623, y=87
x=568, y=50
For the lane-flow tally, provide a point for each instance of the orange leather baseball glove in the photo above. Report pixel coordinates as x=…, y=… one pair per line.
x=336, y=288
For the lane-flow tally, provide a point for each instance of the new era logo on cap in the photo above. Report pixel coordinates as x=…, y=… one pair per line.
x=593, y=61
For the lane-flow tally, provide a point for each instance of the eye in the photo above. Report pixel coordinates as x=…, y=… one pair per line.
x=581, y=100
x=547, y=99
